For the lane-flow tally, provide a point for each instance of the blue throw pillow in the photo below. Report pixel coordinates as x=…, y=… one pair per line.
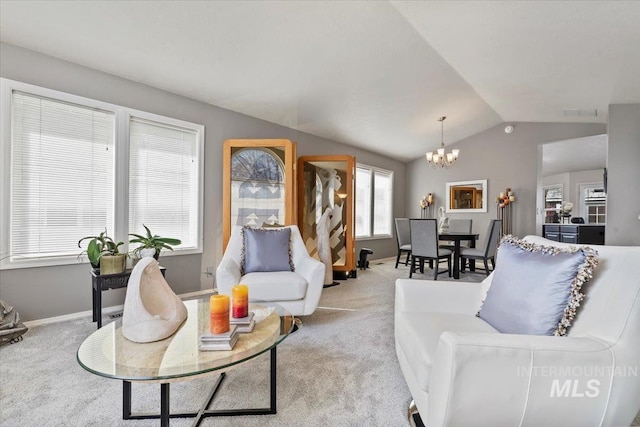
x=536, y=289
x=266, y=250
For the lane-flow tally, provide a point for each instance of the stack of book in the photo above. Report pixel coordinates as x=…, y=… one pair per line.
x=224, y=341
x=244, y=324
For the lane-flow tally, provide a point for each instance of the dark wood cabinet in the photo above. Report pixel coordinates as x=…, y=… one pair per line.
x=574, y=233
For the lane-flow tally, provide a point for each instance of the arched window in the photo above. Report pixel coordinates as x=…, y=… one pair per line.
x=257, y=187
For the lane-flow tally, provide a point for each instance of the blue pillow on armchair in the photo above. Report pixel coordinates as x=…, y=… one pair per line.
x=536, y=289
x=266, y=250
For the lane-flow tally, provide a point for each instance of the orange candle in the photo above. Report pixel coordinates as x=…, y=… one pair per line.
x=240, y=301
x=219, y=314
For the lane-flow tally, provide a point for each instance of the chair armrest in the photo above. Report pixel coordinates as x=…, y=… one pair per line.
x=519, y=380
x=227, y=275
x=440, y=297
x=313, y=272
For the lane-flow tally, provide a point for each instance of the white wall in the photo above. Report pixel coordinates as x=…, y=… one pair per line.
x=51, y=291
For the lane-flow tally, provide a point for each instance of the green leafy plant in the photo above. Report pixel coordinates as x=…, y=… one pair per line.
x=154, y=241
x=98, y=246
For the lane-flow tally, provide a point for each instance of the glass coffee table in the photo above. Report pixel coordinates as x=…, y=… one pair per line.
x=107, y=353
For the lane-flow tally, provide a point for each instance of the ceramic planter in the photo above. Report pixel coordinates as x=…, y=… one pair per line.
x=147, y=252
x=112, y=264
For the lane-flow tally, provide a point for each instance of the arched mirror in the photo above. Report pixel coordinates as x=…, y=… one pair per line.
x=258, y=183
x=326, y=182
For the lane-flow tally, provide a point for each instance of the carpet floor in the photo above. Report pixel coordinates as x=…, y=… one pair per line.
x=339, y=369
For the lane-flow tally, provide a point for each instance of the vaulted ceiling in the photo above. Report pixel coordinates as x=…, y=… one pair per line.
x=376, y=75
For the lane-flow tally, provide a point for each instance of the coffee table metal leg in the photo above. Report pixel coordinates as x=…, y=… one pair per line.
x=273, y=381
x=204, y=412
x=209, y=399
x=126, y=400
x=164, y=405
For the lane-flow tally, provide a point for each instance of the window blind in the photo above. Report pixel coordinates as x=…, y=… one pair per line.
x=163, y=181
x=61, y=175
x=382, y=203
x=595, y=196
x=363, y=202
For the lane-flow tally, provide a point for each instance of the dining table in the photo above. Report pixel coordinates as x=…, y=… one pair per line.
x=456, y=237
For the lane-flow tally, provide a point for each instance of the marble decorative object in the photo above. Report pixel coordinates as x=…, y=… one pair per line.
x=324, y=246
x=443, y=221
x=152, y=311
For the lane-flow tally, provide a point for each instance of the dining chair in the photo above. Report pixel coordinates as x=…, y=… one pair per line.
x=424, y=246
x=403, y=239
x=487, y=252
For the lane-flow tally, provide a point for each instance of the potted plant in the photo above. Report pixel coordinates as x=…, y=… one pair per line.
x=94, y=249
x=151, y=244
x=103, y=254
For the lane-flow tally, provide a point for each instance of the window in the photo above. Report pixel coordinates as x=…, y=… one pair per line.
x=552, y=203
x=363, y=202
x=257, y=187
x=61, y=175
x=163, y=180
x=65, y=164
x=374, y=202
x=382, y=213
x=595, y=201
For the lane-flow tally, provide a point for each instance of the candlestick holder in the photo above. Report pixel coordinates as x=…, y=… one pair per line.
x=504, y=204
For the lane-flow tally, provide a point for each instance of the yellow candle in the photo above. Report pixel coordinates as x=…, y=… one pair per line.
x=240, y=301
x=219, y=314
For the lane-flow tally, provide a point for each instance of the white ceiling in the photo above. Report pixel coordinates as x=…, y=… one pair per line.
x=572, y=155
x=371, y=74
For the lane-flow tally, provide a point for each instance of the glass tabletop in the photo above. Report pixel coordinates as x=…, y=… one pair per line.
x=107, y=353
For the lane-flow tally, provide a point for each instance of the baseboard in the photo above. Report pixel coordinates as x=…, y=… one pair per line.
x=105, y=310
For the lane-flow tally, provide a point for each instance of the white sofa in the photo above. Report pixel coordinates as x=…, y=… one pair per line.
x=462, y=372
x=298, y=291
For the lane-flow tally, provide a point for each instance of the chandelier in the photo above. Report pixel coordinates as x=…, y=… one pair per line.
x=438, y=158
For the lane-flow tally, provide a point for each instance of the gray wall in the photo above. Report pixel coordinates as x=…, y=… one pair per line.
x=51, y=291
x=623, y=169
x=505, y=160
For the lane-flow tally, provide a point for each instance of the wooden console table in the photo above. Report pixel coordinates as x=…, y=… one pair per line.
x=104, y=282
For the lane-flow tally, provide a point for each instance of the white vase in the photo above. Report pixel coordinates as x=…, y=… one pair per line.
x=147, y=252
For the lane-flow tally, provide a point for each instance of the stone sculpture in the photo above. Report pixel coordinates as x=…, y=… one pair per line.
x=152, y=311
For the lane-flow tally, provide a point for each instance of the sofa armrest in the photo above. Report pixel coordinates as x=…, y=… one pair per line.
x=227, y=275
x=313, y=272
x=519, y=380
x=441, y=297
